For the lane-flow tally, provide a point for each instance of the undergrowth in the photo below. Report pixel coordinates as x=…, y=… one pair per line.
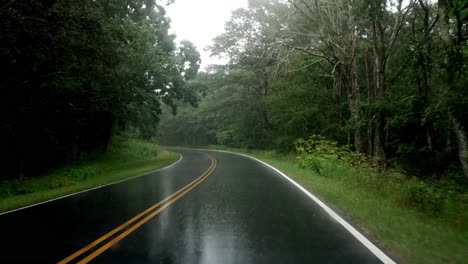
x=125, y=157
x=438, y=199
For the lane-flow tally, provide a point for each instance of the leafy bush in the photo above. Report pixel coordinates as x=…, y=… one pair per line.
x=283, y=144
x=309, y=161
x=316, y=147
x=425, y=197
x=228, y=138
x=443, y=198
x=128, y=148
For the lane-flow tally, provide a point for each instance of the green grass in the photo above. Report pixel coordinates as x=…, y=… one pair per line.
x=126, y=157
x=376, y=203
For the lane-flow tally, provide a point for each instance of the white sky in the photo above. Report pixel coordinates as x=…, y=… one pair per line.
x=199, y=21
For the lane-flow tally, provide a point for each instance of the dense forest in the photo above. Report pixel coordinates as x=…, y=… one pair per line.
x=75, y=72
x=387, y=78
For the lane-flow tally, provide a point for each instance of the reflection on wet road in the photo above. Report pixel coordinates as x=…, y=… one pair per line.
x=244, y=212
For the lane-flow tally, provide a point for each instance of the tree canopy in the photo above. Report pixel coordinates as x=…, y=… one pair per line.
x=387, y=77
x=74, y=71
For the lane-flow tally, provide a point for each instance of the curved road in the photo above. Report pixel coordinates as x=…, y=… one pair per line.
x=216, y=208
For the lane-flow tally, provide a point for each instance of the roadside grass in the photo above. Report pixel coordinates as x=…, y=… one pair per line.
x=126, y=157
x=378, y=205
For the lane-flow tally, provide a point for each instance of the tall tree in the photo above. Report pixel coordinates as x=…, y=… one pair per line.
x=454, y=20
x=327, y=30
x=385, y=26
x=423, y=63
x=252, y=40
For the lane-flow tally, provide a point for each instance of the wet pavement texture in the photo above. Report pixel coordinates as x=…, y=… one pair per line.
x=244, y=212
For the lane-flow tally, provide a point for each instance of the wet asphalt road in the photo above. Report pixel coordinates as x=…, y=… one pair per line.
x=244, y=212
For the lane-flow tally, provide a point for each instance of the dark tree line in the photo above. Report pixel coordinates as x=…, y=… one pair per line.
x=74, y=72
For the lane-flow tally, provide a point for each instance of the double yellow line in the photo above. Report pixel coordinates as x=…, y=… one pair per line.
x=149, y=213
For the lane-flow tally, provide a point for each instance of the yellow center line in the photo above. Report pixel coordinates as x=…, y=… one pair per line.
x=178, y=194
x=140, y=223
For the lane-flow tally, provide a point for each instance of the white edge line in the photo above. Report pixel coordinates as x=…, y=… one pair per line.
x=372, y=248
x=91, y=189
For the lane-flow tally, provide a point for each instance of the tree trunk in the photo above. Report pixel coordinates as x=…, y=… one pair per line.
x=370, y=101
x=347, y=76
x=358, y=140
x=355, y=107
x=428, y=138
x=352, y=88
x=462, y=144
x=380, y=96
x=21, y=169
x=455, y=125
x=370, y=138
x=424, y=64
x=379, y=140
x=263, y=108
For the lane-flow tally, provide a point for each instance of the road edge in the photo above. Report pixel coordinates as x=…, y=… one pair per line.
x=93, y=188
x=358, y=235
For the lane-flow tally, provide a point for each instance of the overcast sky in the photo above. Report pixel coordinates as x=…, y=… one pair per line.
x=200, y=21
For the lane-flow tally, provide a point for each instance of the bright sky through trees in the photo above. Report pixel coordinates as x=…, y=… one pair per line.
x=200, y=21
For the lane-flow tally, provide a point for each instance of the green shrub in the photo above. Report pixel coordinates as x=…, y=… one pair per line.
x=319, y=147
x=425, y=197
x=309, y=161
x=228, y=138
x=442, y=199
x=283, y=144
x=125, y=148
